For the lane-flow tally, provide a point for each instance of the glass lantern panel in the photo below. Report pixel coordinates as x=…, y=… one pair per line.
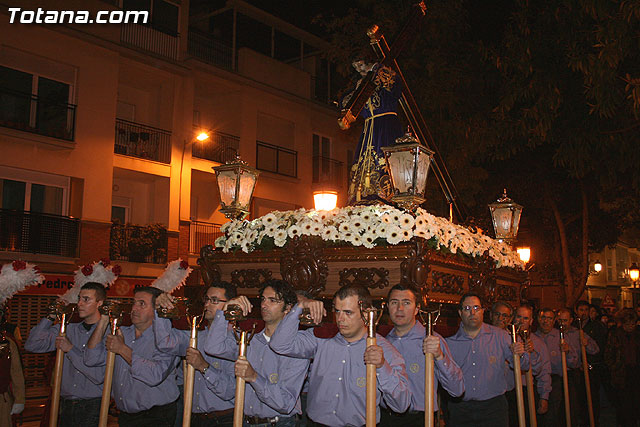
x=423, y=169
x=227, y=185
x=502, y=221
x=247, y=182
x=516, y=221
x=401, y=166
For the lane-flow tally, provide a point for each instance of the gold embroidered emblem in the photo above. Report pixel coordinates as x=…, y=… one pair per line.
x=492, y=360
x=414, y=368
x=216, y=365
x=361, y=382
x=273, y=378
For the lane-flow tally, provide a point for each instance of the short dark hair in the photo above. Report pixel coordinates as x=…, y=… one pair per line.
x=406, y=287
x=566, y=310
x=529, y=306
x=469, y=295
x=355, y=290
x=283, y=290
x=581, y=303
x=154, y=292
x=230, y=291
x=101, y=292
x=627, y=315
x=503, y=304
x=546, y=310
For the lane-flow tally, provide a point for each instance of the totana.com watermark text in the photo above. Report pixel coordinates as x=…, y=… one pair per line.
x=41, y=16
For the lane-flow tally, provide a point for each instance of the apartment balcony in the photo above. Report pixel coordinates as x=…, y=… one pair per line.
x=39, y=233
x=220, y=147
x=209, y=50
x=202, y=233
x=31, y=113
x=152, y=40
x=327, y=171
x=145, y=142
x=280, y=160
x=136, y=243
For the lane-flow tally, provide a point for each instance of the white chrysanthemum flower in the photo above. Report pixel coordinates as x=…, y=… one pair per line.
x=245, y=245
x=293, y=231
x=356, y=240
x=386, y=218
x=368, y=240
x=406, y=221
x=382, y=230
x=406, y=235
x=394, y=235
x=421, y=232
x=270, y=230
x=305, y=227
x=357, y=225
x=220, y=241
x=344, y=227
x=269, y=219
x=280, y=238
x=335, y=236
x=317, y=229
x=328, y=232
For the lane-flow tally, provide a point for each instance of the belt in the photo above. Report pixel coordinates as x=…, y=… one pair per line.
x=212, y=414
x=258, y=420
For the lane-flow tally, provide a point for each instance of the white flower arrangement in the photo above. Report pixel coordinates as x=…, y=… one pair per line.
x=367, y=226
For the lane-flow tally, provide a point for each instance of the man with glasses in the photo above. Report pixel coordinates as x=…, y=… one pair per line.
x=501, y=314
x=551, y=337
x=337, y=380
x=214, y=386
x=408, y=337
x=273, y=381
x=481, y=351
x=81, y=388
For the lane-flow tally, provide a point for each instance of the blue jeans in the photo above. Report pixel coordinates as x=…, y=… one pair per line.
x=79, y=412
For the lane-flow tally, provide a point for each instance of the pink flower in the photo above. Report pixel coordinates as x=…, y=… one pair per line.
x=87, y=270
x=19, y=265
x=184, y=264
x=116, y=269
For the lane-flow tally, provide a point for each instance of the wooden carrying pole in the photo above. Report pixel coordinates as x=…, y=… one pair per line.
x=517, y=372
x=587, y=382
x=238, y=411
x=108, y=379
x=531, y=399
x=371, y=371
x=428, y=381
x=565, y=381
x=190, y=376
x=57, y=376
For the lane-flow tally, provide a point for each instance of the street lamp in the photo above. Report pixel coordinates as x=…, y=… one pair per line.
x=505, y=214
x=201, y=136
x=408, y=163
x=597, y=266
x=525, y=254
x=634, y=273
x=236, y=181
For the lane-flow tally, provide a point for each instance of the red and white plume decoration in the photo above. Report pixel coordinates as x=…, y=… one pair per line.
x=16, y=276
x=174, y=276
x=98, y=271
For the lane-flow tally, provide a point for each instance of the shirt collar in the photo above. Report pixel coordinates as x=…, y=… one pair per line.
x=417, y=330
x=341, y=340
x=462, y=334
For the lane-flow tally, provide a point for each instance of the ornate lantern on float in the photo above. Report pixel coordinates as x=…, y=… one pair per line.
x=408, y=163
x=505, y=214
x=236, y=181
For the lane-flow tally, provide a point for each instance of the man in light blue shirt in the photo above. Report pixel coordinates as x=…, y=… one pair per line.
x=273, y=381
x=337, y=380
x=409, y=337
x=214, y=386
x=144, y=385
x=481, y=351
x=81, y=388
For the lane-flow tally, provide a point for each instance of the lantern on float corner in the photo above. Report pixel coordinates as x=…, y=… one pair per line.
x=408, y=164
x=505, y=214
x=236, y=181
x=634, y=273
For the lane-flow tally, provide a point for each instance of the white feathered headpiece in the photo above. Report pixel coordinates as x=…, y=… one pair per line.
x=16, y=276
x=99, y=271
x=174, y=276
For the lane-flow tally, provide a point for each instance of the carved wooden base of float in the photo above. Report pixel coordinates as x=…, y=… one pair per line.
x=321, y=271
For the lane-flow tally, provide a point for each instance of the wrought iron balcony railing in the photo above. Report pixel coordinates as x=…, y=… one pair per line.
x=39, y=233
x=31, y=113
x=220, y=147
x=150, y=39
x=327, y=171
x=202, y=233
x=138, y=243
x=145, y=142
x=209, y=50
x=272, y=158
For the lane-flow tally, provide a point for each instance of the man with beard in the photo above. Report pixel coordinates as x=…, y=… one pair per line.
x=214, y=385
x=273, y=381
x=143, y=389
x=408, y=337
x=551, y=337
x=81, y=388
x=337, y=380
x=481, y=351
